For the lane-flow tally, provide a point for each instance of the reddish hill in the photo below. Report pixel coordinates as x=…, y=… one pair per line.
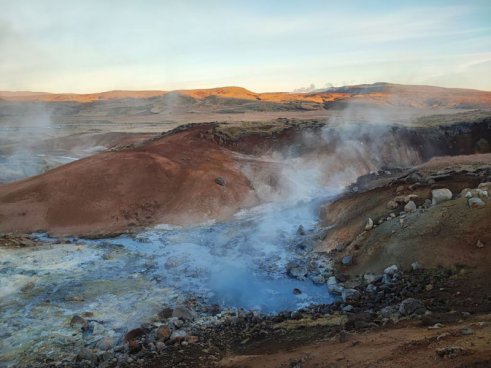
x=170, y=180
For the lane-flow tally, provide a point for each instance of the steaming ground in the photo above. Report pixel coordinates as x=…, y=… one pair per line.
x=126, y=280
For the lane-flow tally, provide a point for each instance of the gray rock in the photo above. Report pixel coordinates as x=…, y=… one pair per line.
x=479, y=244
x=391, y=270
x=410, y=207
x=348, y=308
x=371, y=288
x=411, y=306
x=183, y=313
x=440, y=195
x=297, y=270
x=371, y=278
x=350, y=295
x=416, y=266
x=476, y=202
x=318, y=280
x=369, y=224
x=178, y=335
x=389, y=312
x=333, y=286
x=87, y=354
x=340, y=247
x=347, y=260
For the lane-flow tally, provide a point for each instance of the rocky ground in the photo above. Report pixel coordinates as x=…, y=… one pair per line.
x=413, y=308
x=405, y=249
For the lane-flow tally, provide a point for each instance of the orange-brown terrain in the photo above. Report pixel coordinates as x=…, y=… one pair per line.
x=391, y=148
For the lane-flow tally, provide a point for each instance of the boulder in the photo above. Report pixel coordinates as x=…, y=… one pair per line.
x=297, y=270
x=349, y=295
x=178, y=336
x=411, y=306
x=391, y=270
x=440, y=195
x=476, y=202
x=183, y=313
x=333, y=286
x=410, y=207
x=163, y=333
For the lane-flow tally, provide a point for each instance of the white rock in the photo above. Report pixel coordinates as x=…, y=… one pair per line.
x=391, y=270
x=440, y=195
x=476, y=203
x=369, y=224
x=410, y=207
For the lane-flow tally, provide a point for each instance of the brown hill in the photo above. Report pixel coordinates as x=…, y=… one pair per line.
x=170, y=180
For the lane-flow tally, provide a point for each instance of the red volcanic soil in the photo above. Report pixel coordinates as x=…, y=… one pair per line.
x=168, y=180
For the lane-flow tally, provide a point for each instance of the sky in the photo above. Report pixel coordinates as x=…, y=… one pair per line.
x=270, y=45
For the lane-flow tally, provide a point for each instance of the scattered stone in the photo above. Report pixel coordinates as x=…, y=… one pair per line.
x=411, y=306
x=348, y=308
x=105, y=343
x=191, y=339
x=392, y=205
x=371, y=278
x=391, y=270
x=165, y=313
x=183, y=313
x=371, y=288
x=340, y=247
x=178, y=336
x=333, y=286
x=301, y=231
x=410, y=207
x=440, y=195
x=78, y=321
x=479, y=244
x=436, y=326
x=400, y=189
x=443, y=335
x=347, y=260
x=297, y=270
x=466, y=331
x=369, y=224
x=476, y=203
x=318, y=280
x=134, y=334
x=416, y=266
x=483, y=194
x=87, y=354
x=163, y=333
x=429, y=287
x=451, y=352
x=220, y=181
x=484, y=186
x=350, y=295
